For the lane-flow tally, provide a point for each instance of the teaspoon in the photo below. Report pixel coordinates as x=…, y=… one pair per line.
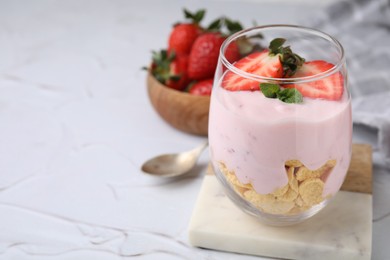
x=172, y=165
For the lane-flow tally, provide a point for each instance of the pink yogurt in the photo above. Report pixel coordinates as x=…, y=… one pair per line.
x=254, y=136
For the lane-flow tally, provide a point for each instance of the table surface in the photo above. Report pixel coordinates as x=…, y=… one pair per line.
x=76, y=124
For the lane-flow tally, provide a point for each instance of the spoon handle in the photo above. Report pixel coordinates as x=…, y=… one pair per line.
x=199, y=149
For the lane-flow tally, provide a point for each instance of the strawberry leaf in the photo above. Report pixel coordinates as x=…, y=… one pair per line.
x=245, y=46
x=175, y=77
x=233, y=26
x=257, y=35
x=215, y=25
x=171, y=55
x=162, y=61
x=195, y=17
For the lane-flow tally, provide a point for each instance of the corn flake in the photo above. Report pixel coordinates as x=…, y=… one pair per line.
x=293, y=163
x=280, y=191
x=289, y=196
x=257, y=198
x=311, y=191
x=292, y=181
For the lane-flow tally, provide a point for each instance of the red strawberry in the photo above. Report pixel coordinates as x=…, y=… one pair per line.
x=232, y=52
x=275, y=62
x=258, y=63
x=204, y=56
x=202, y=88
x=330, y=88
x=178, y=72
x=170, y=69
x=182, y=37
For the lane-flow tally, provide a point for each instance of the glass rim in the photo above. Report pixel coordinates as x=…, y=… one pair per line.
x=230, y=66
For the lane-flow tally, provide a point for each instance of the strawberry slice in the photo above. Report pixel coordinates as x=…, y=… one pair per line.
x=330, y=88
x=275, y=62
x=257, y=63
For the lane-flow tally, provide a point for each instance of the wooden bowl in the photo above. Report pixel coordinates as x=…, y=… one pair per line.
x=186, y=112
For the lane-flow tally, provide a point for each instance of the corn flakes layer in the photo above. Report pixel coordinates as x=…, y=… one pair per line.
x=303, y=190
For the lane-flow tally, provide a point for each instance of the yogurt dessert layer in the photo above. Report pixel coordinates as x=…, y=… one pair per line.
x=283, y=148
x=257, y=138
x=254, y=134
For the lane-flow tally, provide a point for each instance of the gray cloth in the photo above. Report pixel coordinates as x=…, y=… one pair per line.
x=363, y=28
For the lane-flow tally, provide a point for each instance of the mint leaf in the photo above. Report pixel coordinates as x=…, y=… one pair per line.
x=291, y=61
x=287, y=95
x=276, y=45
x=270, y=90
x=290, y=95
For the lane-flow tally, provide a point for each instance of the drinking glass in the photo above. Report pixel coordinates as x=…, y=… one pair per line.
x=279, y=161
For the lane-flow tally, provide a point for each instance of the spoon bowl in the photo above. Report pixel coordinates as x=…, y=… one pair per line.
x=172, y=165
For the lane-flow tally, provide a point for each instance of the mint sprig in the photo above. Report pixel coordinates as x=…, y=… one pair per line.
x=276, y=46
x=291, y=61
x=287, y=95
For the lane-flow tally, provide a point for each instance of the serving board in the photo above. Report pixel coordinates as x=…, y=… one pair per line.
x=342, y=230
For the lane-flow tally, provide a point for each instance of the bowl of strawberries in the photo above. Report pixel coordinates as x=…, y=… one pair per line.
x=180, y=77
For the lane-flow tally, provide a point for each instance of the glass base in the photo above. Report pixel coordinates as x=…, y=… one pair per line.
x=267, y=218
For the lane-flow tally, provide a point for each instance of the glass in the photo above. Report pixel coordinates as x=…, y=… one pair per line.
x=281, y=162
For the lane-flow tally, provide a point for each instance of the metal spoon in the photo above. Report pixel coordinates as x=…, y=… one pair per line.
x=172, y=165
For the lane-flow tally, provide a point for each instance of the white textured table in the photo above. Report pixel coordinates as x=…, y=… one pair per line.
x=76, y=124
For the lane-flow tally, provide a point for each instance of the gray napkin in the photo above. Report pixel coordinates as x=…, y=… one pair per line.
x=363, y=28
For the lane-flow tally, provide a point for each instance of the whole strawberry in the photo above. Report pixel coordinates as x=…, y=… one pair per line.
x=232, y=52
x=202, y=88
x=178, y=69
x=183, y=35
x=170, y=70
x=204, y=56
x=205, y=50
